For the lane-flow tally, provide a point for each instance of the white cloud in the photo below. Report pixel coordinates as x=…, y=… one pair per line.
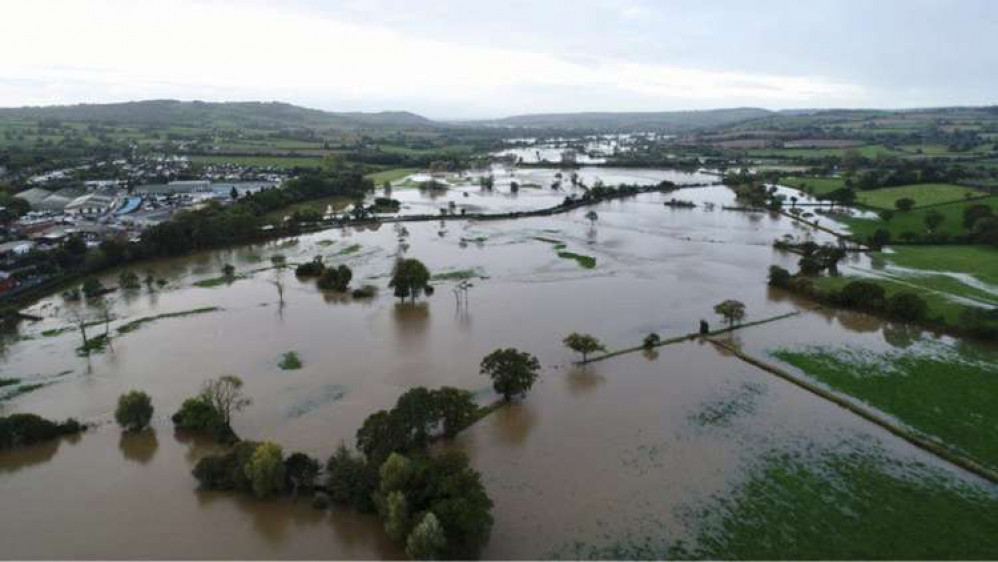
x=71, y=51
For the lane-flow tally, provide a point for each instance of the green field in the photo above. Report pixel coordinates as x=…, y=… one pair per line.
x=390, y=175
x=815, y=186
x=978, y=261
x=944, y=391
x=937, y=291
x=914, y=220
x=923, y=194
x=262, y=161
x=869, y=151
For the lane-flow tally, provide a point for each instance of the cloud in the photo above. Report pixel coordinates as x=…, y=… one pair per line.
x=103, y=50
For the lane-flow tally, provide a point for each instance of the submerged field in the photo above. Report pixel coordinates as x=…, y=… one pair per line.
x=683, y=450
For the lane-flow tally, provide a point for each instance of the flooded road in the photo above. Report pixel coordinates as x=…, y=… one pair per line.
x=620, y=448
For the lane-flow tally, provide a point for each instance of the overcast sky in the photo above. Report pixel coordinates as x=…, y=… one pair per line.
x=468, y=59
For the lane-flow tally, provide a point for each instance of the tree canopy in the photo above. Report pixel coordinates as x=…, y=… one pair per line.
x=512, y=372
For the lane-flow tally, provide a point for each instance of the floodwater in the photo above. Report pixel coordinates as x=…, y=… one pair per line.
x=589, y=455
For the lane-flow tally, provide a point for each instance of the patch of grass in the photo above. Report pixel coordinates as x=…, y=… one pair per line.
x=945, y=392
x=721, y=412
x=53, y=332
x=138, y=323
x=289, y=361
x=218, y=281
x=390, y=175
x=21, y=390
x=816, y=186
x=587, y=262
x=95, y=344
x=869, y=151
x=978, y=261
x=459, y=275
x=351, y=249
x=914, y=220
x=922, y=194
x=826, y=505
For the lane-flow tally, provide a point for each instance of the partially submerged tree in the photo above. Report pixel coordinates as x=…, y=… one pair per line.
x=512, y=372
x=409, y=278
x=732, y=311
x=225, y=395
x=134, y=410
x=265, y=470
x=583, y=344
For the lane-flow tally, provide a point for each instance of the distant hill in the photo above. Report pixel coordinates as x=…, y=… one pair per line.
x=667, y=121
x=250, y=115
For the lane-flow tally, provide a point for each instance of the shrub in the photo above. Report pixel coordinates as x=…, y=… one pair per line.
x=335, y=279
x=779, y=277
x=862, y=294
x=199, y=415
x=265, y=470
x=650, y=341
x=134, y=410
x=300, y=471
x=907, y=306
x=27, y=429
x=349, y=480
x=904, y=204
x=365, y=292
x=314, y=268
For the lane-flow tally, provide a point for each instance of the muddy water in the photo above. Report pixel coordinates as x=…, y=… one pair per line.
x=589, y=455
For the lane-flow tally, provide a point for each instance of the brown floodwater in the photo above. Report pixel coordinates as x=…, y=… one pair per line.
x=617, y=447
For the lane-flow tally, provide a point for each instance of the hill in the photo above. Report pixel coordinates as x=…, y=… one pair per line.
x=666, y=121
x=250, y=115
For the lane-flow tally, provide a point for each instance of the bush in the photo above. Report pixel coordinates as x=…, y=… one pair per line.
x=365, y=292
x=27, y=429
x=199, y=415
x=228, y=471
x=314, y=268
x=265, y=470
x=134, y=410
x=904, y=204
x=779, y=277
x=650, y=341
x=908, y=307
x=862, y=294
x=301, y=472
x=335, y=279
x=350, y=481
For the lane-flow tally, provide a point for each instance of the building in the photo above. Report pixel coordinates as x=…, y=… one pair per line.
x=91, y=204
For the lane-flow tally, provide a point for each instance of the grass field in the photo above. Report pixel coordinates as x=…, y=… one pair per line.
x=390, y=175
x=869, y=151
x=978, y=261
x=262, y=161
x=914, y=220
x=816, y=186
x=923, y=194
x=940, y=390
x=937, y=291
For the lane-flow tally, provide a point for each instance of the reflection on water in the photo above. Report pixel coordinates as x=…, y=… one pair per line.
x=23, y=457
x=138, y=446
x=512, y=423
x=584, y=378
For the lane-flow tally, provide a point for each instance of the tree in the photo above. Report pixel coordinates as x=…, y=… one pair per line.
x=512, y=372
x=228, y=271
x=779, y=277
x=592, y=217
x=904, y=204
x=426, y=541
x=731, y=310
x=335, y=278
x=350, y=480
x=233, y=194
x=651, y=340
x=907, y=306
x=862, y=294
x=455, y=408
x=409, y=278
x=933, y=219
x=225, y=395
x=886, y=215
x=134, y=410
x=881, y=237
x=129, y=280
x=265, y=470
x=973, y=213
x=583, y=344
x=396, y=516
x=92, y=288
x=301, y=472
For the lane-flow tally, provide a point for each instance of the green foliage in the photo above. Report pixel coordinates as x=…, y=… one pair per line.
x=301, y=472
x=586, y=262
x=512, y=372
x=335, y=279
x=364, y=292
x=134, y=410
x=93, y=288
x=945, y=391
x=350, y=480
x=731, y=310
x=583, y=344
x=650, y=341
x=862, y=294
x=133, y=325
x=289, y=361
x=904, y=204
x=907, y=307
x=409, y=278
x=446, y=486
x=426, y=541
x=198, y=414
x=779, y=277
x=227, y=471
x=265, y=470
x=396, y=516
x=27, y=429
x=312, y=268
